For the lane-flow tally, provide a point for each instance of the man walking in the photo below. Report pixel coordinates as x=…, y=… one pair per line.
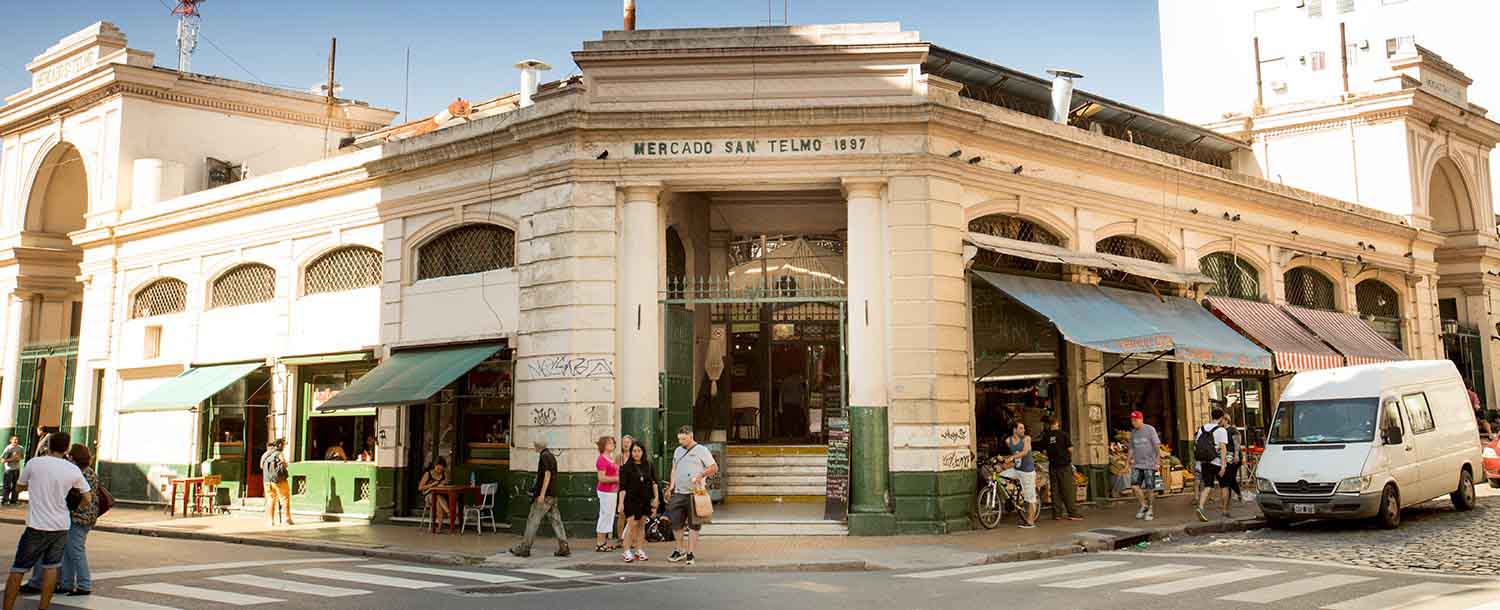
x=543, y=504
x=691, y=465
x=274, y=474
x=1144, y=458
x=1210, y=451
x=12, y=458
x=1059, y=450
x=48, y=478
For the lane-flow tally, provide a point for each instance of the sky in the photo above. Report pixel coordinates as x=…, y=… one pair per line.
x=466, y=49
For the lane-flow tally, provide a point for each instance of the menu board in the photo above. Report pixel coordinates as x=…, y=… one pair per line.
x=837, y=504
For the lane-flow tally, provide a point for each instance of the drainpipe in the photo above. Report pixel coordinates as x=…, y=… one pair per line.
x=530, y=69
x=1062, y=93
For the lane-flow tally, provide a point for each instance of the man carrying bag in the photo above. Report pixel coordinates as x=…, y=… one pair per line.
x=689, y=505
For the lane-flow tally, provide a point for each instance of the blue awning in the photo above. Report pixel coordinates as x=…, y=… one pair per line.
x=1197, y=335
x=1084, y=314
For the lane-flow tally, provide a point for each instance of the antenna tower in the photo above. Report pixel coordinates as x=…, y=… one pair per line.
x=188, y=19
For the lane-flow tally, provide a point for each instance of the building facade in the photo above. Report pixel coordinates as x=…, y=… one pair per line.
x=841, y=254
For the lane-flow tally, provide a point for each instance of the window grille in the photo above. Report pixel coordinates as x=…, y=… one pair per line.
x=1020, y=229
x=343, y=269
x=467, y=249
x=1308, y=288
x=676, y=264
x=243, y=285
x=164, y=296
x=1233, y=277
x=1314, y=8
x=1380, y=307
x=1123, y=245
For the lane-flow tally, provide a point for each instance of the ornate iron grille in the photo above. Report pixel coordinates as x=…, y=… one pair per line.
x=1380, y=307
x=243, y=285
x=467, y=249
x=1233, y=277
x=343, y=269
x=164, y=296
x=1307, y=288
x=1124, y=245
x=676, y=261
x=1020, y=229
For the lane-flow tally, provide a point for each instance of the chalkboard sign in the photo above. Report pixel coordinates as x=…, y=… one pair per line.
x=837, y=504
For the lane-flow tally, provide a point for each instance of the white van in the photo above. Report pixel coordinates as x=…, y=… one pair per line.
x=1366, y=441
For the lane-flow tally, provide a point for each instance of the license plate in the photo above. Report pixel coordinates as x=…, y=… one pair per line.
x=1303, y=509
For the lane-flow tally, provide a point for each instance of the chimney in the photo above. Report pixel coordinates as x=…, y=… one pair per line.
x=1062, y=93
x=629, y=15
x=530, y=68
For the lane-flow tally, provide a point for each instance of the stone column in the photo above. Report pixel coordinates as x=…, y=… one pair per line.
x=869, y=423
x=1477, y=300
x=17, y=321
x=639, y=315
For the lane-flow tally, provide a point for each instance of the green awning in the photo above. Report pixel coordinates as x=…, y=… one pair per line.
x=326, y=358
x=193, y=386
x=351, y=412
x=410, y=377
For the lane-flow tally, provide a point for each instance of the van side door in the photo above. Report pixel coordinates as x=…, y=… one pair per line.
x=1428, y=447
x=1399, y=458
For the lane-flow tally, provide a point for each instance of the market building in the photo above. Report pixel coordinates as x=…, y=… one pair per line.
x=845, y=256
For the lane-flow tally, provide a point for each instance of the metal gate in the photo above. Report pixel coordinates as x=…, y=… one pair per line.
x=31, y=380
x=1462, y=345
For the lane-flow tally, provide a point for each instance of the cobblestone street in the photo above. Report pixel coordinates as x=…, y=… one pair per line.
x=1432, y=537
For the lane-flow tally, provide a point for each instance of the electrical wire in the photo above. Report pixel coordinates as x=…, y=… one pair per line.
x=253, y=75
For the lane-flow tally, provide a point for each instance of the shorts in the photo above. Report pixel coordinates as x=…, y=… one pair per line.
x=1210, y=473
x=1145, y=478
x=278, y=492
x=680, y=511
x=37, y=545
x=1028, y=483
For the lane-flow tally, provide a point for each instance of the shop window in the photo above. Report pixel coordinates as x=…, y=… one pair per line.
x=237, y=420
x=474, y=248
x=1317, y=61
x=151, y=349
x=345, y=436
x=1131, y=247
x=1380, y=307
x=243, y=285
x=1345, y=6
x=1308, y=288
x=349, y=268
x=164, y=296
x=1233, y=277
x=1314, y=8
x=485, y=397
x=1243, y=398
x=1020, y=229
x=361, y=489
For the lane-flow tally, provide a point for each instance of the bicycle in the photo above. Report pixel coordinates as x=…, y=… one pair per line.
x=999, y=491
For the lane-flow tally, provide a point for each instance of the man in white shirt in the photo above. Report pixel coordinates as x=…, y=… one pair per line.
x=1215, y=433
x=48, y=479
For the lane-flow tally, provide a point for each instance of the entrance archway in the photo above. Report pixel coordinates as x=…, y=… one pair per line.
x=1448, y=200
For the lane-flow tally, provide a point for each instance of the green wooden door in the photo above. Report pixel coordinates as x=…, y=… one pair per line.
x=26, y=387
x=677, y=379
x=70, y=375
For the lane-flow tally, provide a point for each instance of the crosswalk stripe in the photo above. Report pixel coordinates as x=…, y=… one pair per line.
x=1278, y=592
x=1126, y=576
x=553, y=573
x=479, y=576
x=289, y=586
x=1400, y=597
x=96, y=602
x=369, y=579
x=1072, y=568
x=223, y=597
x=204, y=567
x=1203, y=582
x=989, y=567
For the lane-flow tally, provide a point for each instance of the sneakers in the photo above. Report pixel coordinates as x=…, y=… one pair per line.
x=628, y=556
x=79, y=592
x=27, y=589
x=563, y=551
x=1150, y=515
x=677, y=556
x=1201, y=517
x=1027, y=526
x=688, y=560
x=517, y=551
x=1141, y=514
x=640, y=555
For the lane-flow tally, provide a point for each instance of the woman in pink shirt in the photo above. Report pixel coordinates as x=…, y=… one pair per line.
x=608, y=488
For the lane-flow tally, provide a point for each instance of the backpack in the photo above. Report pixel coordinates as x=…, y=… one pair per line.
x=271, y=466
x=1204, y=447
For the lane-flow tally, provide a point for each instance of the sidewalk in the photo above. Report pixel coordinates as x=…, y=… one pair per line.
x=1104, y=528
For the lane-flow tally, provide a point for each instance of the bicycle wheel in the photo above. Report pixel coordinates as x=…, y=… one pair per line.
x=988, y=508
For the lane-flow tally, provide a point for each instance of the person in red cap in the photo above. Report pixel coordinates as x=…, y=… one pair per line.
x=1144, y=458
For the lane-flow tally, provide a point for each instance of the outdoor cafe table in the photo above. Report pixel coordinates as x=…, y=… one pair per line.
x=455, y=495
x=189, y=487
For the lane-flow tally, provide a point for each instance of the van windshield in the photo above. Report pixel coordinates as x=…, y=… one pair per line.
x=1343, y=420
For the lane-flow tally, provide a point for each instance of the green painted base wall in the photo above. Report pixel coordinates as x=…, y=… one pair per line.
x=933, y=502
x=487, y=473
x=642, y=425
x=869, y=460
x=575, y=491
x=359, y=490
x=129, y=481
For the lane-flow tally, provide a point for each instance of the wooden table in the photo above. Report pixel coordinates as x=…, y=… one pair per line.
x=190, y=487
x=455, y=495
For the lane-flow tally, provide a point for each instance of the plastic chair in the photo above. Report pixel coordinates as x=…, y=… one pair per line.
x=207, y=497
x=486, y=508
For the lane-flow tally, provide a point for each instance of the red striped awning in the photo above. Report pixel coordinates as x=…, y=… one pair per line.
x=1348, y=334
x=1292, y=347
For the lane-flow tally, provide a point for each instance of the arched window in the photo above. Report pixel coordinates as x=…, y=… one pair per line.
x=676, y=264
x=1020, y=229
x=467, y=249
x=1305, y=287
x=1380, y=307
x=1132, y=247
x=347, y=268
x=243, y=285
x=1233, y=277
x=161, y=297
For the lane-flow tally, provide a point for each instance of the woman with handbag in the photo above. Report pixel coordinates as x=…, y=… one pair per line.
x=638, y=495
x=74, y=576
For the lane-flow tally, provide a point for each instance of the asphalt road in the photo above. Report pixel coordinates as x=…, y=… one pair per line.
x=135, y=573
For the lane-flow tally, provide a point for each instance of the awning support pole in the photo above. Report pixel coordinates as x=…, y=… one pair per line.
x=998, y=366
x=1143, y=365
x=1111, y=368
x=1211, y=379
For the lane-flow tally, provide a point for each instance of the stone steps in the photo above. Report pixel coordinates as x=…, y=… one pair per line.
x=792, y=473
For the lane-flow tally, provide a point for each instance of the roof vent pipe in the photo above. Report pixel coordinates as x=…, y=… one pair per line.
x=1062, y=93
x=530, y=68
x=629, y=15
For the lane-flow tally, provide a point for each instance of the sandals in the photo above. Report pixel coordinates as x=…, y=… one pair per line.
x=605, y=548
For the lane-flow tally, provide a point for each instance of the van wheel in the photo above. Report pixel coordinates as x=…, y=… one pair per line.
x=1463, y=497
x=1495, y=483
x=1390, y=508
